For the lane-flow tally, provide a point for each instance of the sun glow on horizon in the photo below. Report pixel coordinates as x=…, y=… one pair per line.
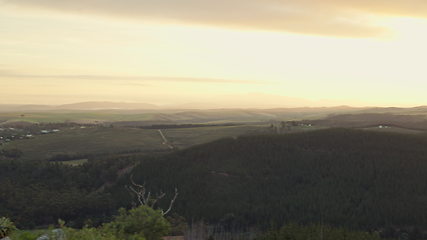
x=50, y=56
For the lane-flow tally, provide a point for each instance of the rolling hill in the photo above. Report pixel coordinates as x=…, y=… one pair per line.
x=352, y=178
x=106, y=105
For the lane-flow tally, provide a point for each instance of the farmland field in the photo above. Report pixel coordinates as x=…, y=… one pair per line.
x=92, y=140
x=98, y=140
x=73, y=116
x=123, y=132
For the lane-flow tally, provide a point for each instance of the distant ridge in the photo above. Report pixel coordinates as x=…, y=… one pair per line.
x=78, y=106
x=198, y=106
x=24, y=107
x=106, y=105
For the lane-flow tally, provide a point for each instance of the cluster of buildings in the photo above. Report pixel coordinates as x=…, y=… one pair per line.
x=11, y=134
x=49, y=131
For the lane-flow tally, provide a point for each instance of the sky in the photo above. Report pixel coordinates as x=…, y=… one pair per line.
x=223, y=53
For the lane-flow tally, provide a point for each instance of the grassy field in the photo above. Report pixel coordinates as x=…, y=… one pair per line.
x=106, y=140
x=169, y=116
x=74, y=163
x=77, y=116
x=88, y=141
x=81, y=143
x=395, y=130
x=185, y=137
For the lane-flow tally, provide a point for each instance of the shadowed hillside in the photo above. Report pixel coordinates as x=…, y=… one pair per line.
x=356, y=178
x=352, y=178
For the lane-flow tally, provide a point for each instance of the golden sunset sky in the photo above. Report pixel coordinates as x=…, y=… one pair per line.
x=231, y=53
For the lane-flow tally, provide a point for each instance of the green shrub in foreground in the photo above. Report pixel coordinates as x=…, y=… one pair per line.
x=26, y=235
x=89, y=234
x=139, y=223
x=297, y=232
x=6, y=227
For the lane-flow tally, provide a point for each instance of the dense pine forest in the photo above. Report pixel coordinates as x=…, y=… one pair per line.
x=351, y=178
x=355, y=179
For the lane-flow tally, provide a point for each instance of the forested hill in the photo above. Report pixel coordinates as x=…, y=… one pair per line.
x=359, y=179
x=356, y=178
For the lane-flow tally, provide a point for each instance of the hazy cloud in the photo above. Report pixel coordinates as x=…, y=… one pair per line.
x=134, y=79
x=410, y=8
x=346, y=18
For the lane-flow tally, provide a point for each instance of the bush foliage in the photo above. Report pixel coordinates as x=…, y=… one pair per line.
x=297, y=232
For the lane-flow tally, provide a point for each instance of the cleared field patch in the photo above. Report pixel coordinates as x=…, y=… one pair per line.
x=74, y=163
x=186, y=137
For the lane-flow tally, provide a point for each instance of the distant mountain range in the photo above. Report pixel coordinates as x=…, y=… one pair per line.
x=77, y=106
x=106, y=105
x=144, y=113
x=126, y=106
